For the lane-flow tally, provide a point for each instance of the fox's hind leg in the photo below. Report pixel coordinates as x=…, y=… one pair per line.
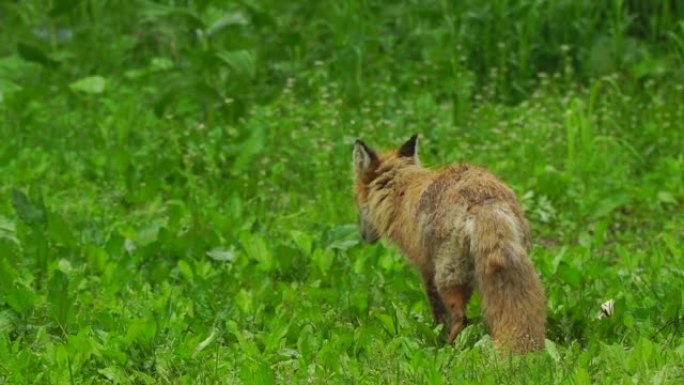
x=436, y=304
x=455, y=298
x=454, y=278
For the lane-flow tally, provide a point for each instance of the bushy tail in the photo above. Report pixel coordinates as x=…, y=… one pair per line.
x=512, y=296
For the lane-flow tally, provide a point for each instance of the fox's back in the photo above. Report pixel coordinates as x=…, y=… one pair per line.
x=458, y=195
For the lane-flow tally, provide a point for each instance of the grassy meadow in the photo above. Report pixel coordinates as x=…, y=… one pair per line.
x=176, y=192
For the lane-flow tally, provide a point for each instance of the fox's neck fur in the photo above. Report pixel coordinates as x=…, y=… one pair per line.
x=397, y=189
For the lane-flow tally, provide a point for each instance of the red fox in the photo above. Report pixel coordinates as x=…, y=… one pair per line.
x=464, y=229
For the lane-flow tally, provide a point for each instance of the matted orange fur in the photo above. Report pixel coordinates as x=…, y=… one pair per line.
x=464, y=229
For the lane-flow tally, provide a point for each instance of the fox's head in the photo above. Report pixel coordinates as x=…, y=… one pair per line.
x=368, y=167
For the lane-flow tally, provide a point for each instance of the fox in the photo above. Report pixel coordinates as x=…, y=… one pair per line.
x=464, y=230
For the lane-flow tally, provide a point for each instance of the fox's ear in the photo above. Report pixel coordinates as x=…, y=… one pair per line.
x=410, y=148
x=364, y=157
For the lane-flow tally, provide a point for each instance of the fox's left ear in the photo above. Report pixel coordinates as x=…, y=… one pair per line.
x=410, y=148
x=364, y=158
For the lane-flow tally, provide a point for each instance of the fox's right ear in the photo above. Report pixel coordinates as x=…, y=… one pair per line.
x=364, y=158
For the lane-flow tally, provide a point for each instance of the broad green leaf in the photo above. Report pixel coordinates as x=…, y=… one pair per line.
x=27, y=211
x=600, y=233
x=386, y=322
x=307, y=344
x=141, y=330
x=387, y=261
x=136, y=73
x=569, y=274
x=249, y=149
x=244, y=301
x=401, y=318
x=227, y=20
x=6, y=321
x=7, y=87
x=582, y=377
x=65, y=266
x=97, y=258
x=58, y=230
x=21, y=300
x=667, y=197
x=221, y=255
x=114, y=374
x=246, y=344
x=60, y=354
x=185, y=270
x=89, y=85
x=673, y=245
x=8, y=231
x=303, y=240
x=58, y=297
x=242, y=62
x=257, y=372
x=174, y=86
x=60, y=7
x=643, y=352
x=344, y=245
x=206, y=342
x=276, y=334
x=7, y=275
x=6, y=225
x=343, y=232
x=360, y=301
x=34, y=54
x=323, y=258
x=628, y=321
x=153, y=11
x=680, y=351
x=551, y=350
x=608, y=205
x=159, y=64
x=344, y=237
x=257, y=249
x=330, y=355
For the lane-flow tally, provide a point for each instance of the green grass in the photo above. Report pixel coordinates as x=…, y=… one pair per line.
x=176, y=194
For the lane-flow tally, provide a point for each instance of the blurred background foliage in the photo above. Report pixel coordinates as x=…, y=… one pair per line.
x=225, y=57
